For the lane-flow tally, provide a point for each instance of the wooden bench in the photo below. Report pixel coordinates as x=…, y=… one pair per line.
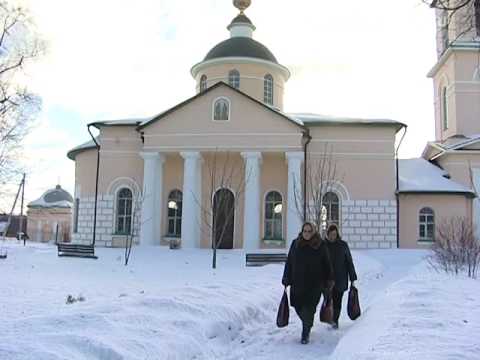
x=76, y=250
x=260, y=259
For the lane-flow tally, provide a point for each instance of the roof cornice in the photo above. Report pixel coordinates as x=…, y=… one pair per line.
x=239, y=60
x=457, y=46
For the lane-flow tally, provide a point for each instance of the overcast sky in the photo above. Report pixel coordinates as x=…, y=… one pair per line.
x=113, y=59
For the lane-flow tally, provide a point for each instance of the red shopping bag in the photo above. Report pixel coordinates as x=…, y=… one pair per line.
x=326, y=310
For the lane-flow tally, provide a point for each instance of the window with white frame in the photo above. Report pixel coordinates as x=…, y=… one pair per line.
x=268, y=89
x=174, y=214
x=330, y=213
x=273, y=216
x=203, y=83
x=426, y=222
x=124, y=212
x=234, y=79
x=444, y=107
x=221, y=110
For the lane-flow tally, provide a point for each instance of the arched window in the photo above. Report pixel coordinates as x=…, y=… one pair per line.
x=221, y=109
x=268, y=89
x=124, y=212
x=330, y=210
x=476, y=7
x=426, y=221
x=203, y=83
x=234, y=79
x=444, y=106
x=174, y=213
x=273, y=216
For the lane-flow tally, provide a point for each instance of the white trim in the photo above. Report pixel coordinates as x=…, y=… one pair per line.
x=229, y=109
x=112, y=188
x=474, y=46
x=234, y=217
x=219, y=147
x=264, y=215
x=340, y=189
x=352, y=140
x=197, y=68
x=223, y=134
x=217, y=79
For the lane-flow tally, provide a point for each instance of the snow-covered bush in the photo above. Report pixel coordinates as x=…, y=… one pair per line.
x=456, y=248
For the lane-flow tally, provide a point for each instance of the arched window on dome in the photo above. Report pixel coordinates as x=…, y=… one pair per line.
x=203, y=83
x=268, y=89
x=221, y=109
x=273, y=216
x=123, y=223
x=234, y=79
x=174, y=215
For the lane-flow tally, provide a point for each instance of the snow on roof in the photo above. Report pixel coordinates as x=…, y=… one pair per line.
x=419, y=175
x=87, y=145
x=309, y=118
x=53, y=198
x=132, y=122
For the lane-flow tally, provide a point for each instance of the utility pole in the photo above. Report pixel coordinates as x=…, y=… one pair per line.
x=21, y=211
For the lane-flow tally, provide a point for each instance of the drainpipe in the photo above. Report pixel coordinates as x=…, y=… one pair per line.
x=397, y=194
x=96, y=184
x=306, y=134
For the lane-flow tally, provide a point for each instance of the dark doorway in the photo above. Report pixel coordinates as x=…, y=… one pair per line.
x=223, y=218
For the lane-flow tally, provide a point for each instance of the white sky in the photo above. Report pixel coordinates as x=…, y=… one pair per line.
x=118, y=59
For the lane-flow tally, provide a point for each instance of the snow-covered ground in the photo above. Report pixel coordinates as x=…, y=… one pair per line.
x=170, y=304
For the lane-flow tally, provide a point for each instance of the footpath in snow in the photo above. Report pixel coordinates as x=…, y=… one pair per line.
x=171, y=305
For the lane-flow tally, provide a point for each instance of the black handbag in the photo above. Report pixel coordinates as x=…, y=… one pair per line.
x=353, y=307
x=283, y=311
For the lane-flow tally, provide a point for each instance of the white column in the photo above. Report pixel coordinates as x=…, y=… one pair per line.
x=252, y=211
x=294, y=216
x=190, y=201
x=151, y=198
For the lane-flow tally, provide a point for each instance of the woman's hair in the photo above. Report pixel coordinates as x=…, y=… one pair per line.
x=333, y=227
x=308, y=223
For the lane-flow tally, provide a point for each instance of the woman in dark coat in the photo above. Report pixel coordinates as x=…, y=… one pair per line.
x=343, y=269
x=308, y=271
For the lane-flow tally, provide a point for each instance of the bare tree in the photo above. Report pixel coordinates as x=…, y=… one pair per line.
x=137, y=201
x=322, y=175
x=19, y=46
x=225, y=186
x=455, y=248
x=463, y=14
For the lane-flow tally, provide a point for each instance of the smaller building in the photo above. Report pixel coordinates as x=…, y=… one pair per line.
x=50, y=216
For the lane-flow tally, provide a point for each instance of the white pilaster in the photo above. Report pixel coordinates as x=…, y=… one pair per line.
x=151, y=198
x=476, y=202
x=252, y=210
x=295, y=194
x=191, y=208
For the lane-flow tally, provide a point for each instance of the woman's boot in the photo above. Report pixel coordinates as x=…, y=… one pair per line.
x=305, y=334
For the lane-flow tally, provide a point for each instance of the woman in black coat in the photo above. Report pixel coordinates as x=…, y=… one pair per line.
x=308, y=271
x=343, y=269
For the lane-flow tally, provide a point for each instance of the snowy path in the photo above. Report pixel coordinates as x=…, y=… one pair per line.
x=262, y=341
x=172, y=305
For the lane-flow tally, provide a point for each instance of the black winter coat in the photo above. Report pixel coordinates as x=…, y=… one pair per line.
x=307, y=270
x=342, y=263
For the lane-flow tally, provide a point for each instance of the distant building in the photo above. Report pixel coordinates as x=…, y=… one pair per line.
x=50, y=216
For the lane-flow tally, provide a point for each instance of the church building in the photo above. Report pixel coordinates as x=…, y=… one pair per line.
x=229, y=166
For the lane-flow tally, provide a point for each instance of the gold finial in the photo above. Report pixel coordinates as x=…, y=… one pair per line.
x=242, y=4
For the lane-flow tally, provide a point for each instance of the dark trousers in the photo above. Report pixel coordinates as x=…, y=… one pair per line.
x=337, y=304
x=306, y=314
